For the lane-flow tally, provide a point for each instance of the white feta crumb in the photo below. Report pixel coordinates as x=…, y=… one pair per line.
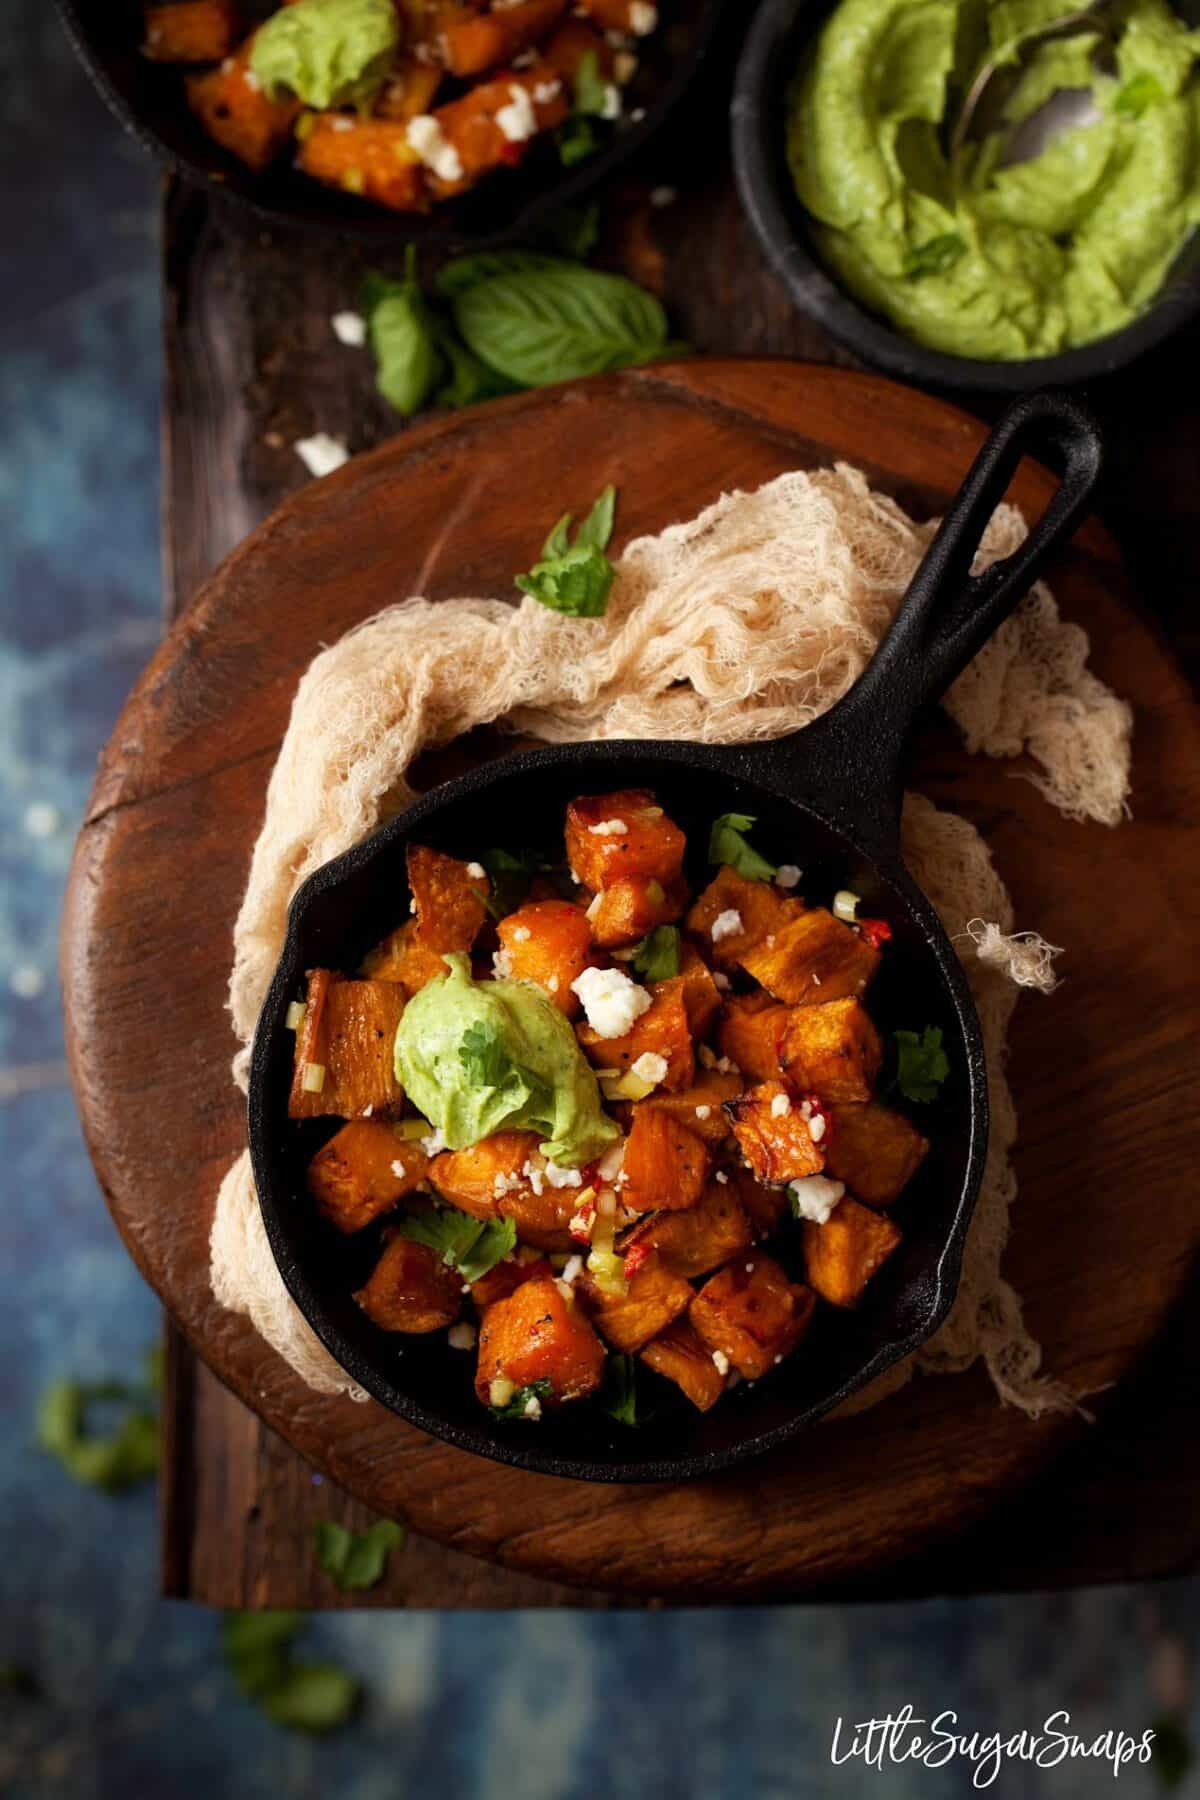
x=787, y=875
x=525, y=60
x=461, y=1337
x=425, y=136
x=26, y=982
x=815, y=1196
x=816, y=980
x=637, y=115
x=41, y=819
x=608, y=828
x=770, y=940
x=721, y=982
x=367, y=1110
x=521, y=934
x=546, y=91
x=779, y=1357
x=552, y=984
x=725, y=1065
x=533, y=1176
x=476, y=871
x=624, y=67
x=643, y=18
x=816, y=1127
x=562, y=1178
x=434, y=1144
x=612, y=101
x=611, y=1000
x=663, y=196
x=781, y=1106
x=572, y=1269
x=845, y=905
x=517, y=120
x=720, y=1362
x=501, y=965
x=533, y=1407
x=254, y=84
x=650, y=1067
x=580, y=1224
x=726, y=924
x=749, y=1268
x=320, y=453
x=704, y=1112
x=722, y=1177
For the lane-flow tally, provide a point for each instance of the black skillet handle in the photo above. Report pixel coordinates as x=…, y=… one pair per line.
x=850, y=762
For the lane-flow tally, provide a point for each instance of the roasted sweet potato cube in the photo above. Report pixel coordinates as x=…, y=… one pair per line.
x=447, y=897
x=770, y=1126
x=813, y=959
x=537, y=1334
x=624, y=833
x=701, y=1238
x=411, y=1289
x=566, y=48
x=190, y=31
x=632, y=17
x=404, y=959
x=409, y=90
x=665, y=1164
x=238, y=113
x=550, y=942
x=363, y=1171
x=842, y=1254
x=750, y=1033
x=832, y=1051
x=500, y=1178
x=472, y=127
x=700, y=1108
x=506, y=1277
x=348, y=1032
x=627, y=1321
x=701, y=996
x=684, y=1359
x=474, y=41
x=766, y=1207
x=874, y=1150
x=751, y=1313
x=371, y=157
x=623, y=913
x=754, y=909
x=662, y=1030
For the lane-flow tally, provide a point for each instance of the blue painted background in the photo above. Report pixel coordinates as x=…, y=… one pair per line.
x=132, y=1699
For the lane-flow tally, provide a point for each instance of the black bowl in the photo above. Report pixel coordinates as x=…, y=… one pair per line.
x=773, y=50
x=148, y=99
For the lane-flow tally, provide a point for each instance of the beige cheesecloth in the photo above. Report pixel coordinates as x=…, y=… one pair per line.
x=742, y=623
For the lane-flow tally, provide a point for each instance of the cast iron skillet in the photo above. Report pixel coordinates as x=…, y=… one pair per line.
x=149, y=101
x=827, y=798
x=773, y=50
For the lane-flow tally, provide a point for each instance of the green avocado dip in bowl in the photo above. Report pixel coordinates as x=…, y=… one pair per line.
x=980, y=195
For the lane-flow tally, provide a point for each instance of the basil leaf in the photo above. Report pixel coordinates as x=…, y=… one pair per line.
x=575, y=139
x=591, y=89
x=597, y=528
x=536, y=1390
x=401, y=333
x=356, y=1559
x=465, y=380
x=726, y=844
x=559, y=323
x=922, y=1064
x=934, y=257
x=577, y=583
x=657, y=956
x=468, y=271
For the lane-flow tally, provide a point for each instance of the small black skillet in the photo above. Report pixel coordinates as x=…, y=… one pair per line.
x=827, y=798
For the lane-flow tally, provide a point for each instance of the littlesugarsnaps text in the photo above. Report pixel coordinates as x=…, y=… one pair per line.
x=905, y=1736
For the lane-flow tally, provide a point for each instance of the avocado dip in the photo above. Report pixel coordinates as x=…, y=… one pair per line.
x=478, y=1057
x=326, y=52
x=976, y=256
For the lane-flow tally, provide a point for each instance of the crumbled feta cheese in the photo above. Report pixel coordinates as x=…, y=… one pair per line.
x=787, y=875
x=461, y=1336
x=643, y=18
x=533, y=1407
x=845, y=905
x=779, y=1357
x=552, y=984
x=637, y=115
x=546, y=91
x=720, y=1362
x=41, y=819
x=815, y=1196
x=533, y=1176
x=722, y=1177
x=476, y=871
x=781, y=1106
x=562, y=1178
x=770, y=940
x=749, y=1268
x=721, y=982
x=521, y=934
x=434, y=1144
x=650, y=1067
x=27, y=982
x=816, y=979
x=501, y=1390
x=726, y=924
x=704, y=1112
x=320, y=453
x=517, y=120
x=572, y=1269
x=612, y=101
x=611, y=1000
x=608, y=828
x=624, y=67
x=254, y=84
x=663, y=196
x=816, y=1127
x=435, y=151
x=501, y=965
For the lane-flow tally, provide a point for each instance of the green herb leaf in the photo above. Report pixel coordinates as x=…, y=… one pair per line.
x=255, y=1645
x=591, y=89
x=483, y=1055
x=1172, y=1755
x=316, y=1697
x=618, y=1395
x=127, y=1454
x=465, y=380
x=726, y=844
x=302, y=1696
x=469, y=1245
x=497, y=1240
x=575, y=139
x=934, y=257
x=1138, y=94
x=356, y=1559
x=465, y=272
x=577, y=583
x=597, y=528
x=559, y=541
x=573, y=231
x=657, y=956
x=512, y=874
x=540, y=1391
x=554, y=324
x=922, y=1064
x=401, y=333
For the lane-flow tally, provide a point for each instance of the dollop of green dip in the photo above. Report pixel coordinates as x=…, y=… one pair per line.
x=327, y=52
x=482, y=1056
x=974, y=255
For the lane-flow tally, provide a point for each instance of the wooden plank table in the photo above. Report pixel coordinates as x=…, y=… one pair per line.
x=252, y=365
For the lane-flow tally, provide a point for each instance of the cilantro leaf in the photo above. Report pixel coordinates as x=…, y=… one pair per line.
x=316, y=1697
x=127, y=1454
x=597, y=528
x=591, y=89
x=1137, y=94
x=401, y=333
x=472, y=1246
x=512, y=874
x=576, y=140
x=255, y=1646
x=921, y=1065
x=559, y=540
x=301, y=1696
x=483, y=1055
x=726, y=844
x=576, y=578
x=356, y=1559
x=933, y=257
x=1173, y=1755
x=657, y=956
x=618, y=1396
x=515, y=1409
x=497, y=1240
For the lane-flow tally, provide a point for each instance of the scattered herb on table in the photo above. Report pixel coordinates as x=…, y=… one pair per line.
x=356, y=1559
x=303, y=1696
x=472, y=1246
x=657, y=956
x=118, y=1458
x=575, y=578
x=921, y=1063
x=727, y=844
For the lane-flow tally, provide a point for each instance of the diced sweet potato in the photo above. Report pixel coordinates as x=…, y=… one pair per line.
x=701, y=1238
x=765, y=1206
x=404, y=959
x=662, y=1030
x=488, y=1180
x=760, y=907
x=624, y=833
x=665, y=1164
x=539, y=1335
x=447, y=898
x=349, y=1030
x=475, y=41
x=701, y=996
x=684, y=1359
x=371, y=157
x=409, y=90
x=700, y=1108
x=832, y=1051
x=629, y=16
x=750, y=1034
x=548, y=941
x=363, y=1171
x=506, y=1277
x=472, y=128
x=874, y=1150
x=411, y=1289
x=236, y=111
x=751, y=1313
x=191, y=31
x=814, y=959
x=773, y=1133
x=627, y=1321
x=631, y=906
x=842, y=1254
x=566, y=48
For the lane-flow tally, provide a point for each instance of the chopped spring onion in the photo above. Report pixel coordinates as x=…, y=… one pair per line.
x=313, y=1078
x=409, y=1130
x=607, y=1270
x=501, y=1391
x=845, y=905
x=626, y=1087
x=295, y=1015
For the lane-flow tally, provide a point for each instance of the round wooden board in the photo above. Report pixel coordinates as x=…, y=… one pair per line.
x=1106, y=1228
